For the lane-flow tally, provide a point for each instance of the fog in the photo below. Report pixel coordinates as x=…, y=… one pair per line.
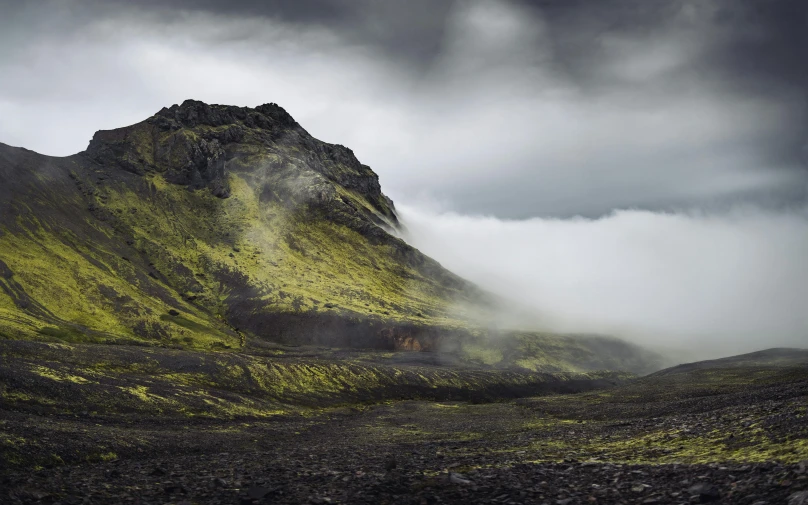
x=711, y=283
x=674, y=128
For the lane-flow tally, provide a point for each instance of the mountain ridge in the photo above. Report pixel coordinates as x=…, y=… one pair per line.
x=208, y=226
x=259, y=158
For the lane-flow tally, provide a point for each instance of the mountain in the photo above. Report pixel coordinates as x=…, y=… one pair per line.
x=211, y=226
x=213, y=219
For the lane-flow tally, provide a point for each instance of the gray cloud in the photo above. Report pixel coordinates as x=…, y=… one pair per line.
x=514, y=109
x=409, y=31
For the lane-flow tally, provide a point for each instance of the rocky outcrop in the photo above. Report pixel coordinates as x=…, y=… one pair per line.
x=195, y=144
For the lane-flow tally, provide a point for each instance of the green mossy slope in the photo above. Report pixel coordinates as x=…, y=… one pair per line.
x=205, y=225
x=114, y=381
x=209, y=227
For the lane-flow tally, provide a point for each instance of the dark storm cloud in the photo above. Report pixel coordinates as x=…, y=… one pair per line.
x=752, y=49
x=411, y=30
x=755, y=47
x=583, y=106
x=758, y=43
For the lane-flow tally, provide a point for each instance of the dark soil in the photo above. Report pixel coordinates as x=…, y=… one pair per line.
x=699, y=435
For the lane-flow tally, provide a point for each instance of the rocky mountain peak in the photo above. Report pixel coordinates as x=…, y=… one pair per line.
x=199, y=145
x=192, y=113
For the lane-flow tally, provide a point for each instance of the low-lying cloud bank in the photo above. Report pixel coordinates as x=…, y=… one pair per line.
x=712, y=283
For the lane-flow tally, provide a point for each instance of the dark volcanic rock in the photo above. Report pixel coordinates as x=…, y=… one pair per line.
x=705, y=492
x=193, y=143
x=800, y=498
x=549, y=449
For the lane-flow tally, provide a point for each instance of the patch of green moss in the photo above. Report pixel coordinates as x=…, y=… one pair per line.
x=669, y=447
x=101, y=457
x=185, y=323
x=65, y=334
x=482, y=354
x=108, y=379
x=59, y=376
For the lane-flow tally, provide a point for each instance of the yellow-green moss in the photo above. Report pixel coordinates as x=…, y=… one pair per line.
x=59, y=376
x=301, y=265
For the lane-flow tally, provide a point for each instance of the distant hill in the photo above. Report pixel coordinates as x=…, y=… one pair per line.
x=775, y=357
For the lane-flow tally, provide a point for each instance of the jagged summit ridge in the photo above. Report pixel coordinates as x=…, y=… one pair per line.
x=193, y=112
x=197, y=145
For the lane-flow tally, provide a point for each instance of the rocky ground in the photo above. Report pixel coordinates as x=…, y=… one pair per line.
x=722, y=433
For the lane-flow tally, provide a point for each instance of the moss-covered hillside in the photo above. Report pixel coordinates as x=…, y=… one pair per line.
x=210, y=226
x=204, y=225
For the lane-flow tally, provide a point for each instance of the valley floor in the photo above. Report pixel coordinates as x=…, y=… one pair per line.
x=729, y=434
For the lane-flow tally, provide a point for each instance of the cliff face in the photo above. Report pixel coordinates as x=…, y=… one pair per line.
x=206, y=225
x=192, y=144
x=199, y=146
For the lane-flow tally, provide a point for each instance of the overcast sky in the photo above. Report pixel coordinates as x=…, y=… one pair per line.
x=677, y=113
